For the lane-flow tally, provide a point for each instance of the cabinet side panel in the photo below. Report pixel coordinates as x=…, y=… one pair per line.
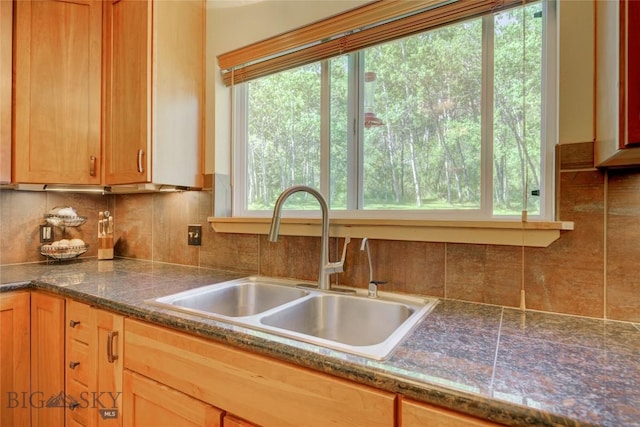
x=178, y=92
x=607, y=80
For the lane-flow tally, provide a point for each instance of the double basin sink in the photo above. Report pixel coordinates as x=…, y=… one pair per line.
x=352, y=323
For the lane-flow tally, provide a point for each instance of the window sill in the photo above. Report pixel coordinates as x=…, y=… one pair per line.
x=512, y=233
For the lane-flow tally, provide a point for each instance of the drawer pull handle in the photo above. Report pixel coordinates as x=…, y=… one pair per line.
x=73, y=323
x=111, y=357
x=73, y=405
x=92, y=165
x=73, y=364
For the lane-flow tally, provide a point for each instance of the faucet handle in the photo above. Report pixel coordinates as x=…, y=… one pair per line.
x=338, y=266
x=373, y=288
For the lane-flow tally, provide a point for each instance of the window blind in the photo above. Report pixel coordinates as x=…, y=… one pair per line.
x=368, y=25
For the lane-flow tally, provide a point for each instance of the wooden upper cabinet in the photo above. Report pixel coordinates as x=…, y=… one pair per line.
x=6, y=49
x=632, y=13
x=617, y=83
x=58, y=91
x=154, y=107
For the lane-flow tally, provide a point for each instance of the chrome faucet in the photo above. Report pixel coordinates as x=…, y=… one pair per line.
x=326, y=267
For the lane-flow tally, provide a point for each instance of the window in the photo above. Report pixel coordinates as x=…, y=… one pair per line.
x=447, y=123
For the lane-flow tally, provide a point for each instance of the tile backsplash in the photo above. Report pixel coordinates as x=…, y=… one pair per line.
x=589, y=271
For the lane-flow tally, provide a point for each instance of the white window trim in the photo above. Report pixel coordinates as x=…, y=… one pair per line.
x=509, y=233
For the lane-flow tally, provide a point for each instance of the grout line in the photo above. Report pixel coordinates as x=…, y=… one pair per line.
x=495, y=356
x=605, y=254
x=444, y=290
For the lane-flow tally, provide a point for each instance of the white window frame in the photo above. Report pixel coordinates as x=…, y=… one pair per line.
x=354, y=203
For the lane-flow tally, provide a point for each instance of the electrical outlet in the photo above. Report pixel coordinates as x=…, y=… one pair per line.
x=194, y=234
x=46, y=233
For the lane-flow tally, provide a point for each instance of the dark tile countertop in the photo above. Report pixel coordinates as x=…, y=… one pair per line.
x=510, y=366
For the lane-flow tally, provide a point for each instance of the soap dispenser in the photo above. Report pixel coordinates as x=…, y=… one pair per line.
x=373, y=284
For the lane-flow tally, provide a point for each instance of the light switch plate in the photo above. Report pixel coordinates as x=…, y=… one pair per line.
x=46, y=233
x=194, y=234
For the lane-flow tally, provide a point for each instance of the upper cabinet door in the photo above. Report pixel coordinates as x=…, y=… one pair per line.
x=58, y=91
x=633, y=72
x=6, y=43
x=154, y=103
x=128, y=91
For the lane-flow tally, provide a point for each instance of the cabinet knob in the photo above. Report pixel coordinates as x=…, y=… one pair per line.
x=74, y=323
x=73, y=405
x=73, y=364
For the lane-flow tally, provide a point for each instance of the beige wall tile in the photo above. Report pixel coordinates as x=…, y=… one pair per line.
x=134, y=226
x=291, y=256
x=568, y=276
x=237, y=252
x=576, y=156
x=484, y=273
x=20, y=217
x=171, y=215
x=623, y=246
x=409, y=267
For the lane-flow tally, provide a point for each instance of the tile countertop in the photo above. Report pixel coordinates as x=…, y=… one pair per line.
x=506, y=365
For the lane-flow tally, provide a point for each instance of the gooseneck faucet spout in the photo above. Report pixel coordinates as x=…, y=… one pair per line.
x=326, y=267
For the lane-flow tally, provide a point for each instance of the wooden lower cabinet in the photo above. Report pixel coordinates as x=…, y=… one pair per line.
x=150, y=403
x=416, y=414
x=93, y=366
x=15, y=368
x=47, y=360
x=257, y=389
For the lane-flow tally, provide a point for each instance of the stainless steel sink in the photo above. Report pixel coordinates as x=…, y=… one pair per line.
x=349, y=320
x=233, y=299
x=350, y=323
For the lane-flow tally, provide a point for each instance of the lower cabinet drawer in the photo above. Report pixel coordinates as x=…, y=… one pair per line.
x=77, y=412
x=80, y=321
x=78, y=362
x=258, y=389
